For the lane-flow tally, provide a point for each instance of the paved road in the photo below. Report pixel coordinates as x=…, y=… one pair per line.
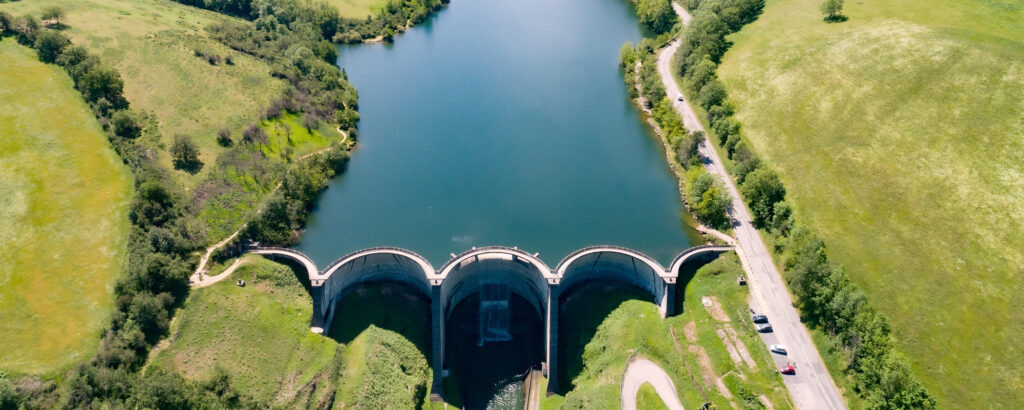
x=812, y=386
x=640, y=371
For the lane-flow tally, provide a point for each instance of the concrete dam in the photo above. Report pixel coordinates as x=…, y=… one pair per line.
x=481, y=271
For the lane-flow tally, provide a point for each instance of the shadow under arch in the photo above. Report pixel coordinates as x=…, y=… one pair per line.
x=612, y=263
x=524, y=274
x=373, y=265
x=522, y=280
x=393, y=306
x=582, y=310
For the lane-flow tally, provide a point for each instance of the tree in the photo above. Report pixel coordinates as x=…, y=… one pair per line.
x=54, y=13
x=713, y=93
x=657, y=15
x=126, y=124
x=103, y=83
x=50, y=44
x=224, y=137
x=762, y=189
x=185, y=154
x=833, y=10
x=253, y=134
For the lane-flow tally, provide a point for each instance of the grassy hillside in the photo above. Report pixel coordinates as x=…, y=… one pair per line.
x=604, y=324
x=153, y=44
x=63, y=217
x=898, y=134
x=357, y=9
x=260, y=335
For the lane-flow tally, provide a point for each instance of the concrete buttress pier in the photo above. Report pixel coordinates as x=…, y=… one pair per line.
x=523, y=273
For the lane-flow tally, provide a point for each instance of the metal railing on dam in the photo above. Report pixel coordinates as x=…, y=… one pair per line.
x=523, y=273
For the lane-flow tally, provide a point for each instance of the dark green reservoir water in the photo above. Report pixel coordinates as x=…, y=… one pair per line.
x=500, y=122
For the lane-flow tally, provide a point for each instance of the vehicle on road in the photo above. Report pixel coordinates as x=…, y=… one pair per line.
x=787, y=369
x=759, y=318
x=764, y=328
x=680, y=98
x=777, y=348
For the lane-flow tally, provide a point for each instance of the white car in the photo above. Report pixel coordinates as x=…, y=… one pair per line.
x=780, y=349
x=680, y=97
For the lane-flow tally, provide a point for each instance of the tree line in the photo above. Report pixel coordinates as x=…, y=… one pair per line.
x=704, y=193
x=164, y=232
x=395, y=16
x=827, y=298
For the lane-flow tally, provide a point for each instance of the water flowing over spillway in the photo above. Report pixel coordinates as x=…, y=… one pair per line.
x=500, y=122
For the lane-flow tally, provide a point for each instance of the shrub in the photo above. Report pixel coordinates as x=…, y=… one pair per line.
x=762, y=189
x=713, y=93
x=126, y=124
x=224, y=137
x=50, y=44
x=185, y=154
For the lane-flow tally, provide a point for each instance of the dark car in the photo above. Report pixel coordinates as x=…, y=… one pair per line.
x=764, y=328
x=759, y=318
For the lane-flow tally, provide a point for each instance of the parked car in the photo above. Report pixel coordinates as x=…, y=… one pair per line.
x=787, y=369
x=759, y=318
x=764, y=328
x=777, y=348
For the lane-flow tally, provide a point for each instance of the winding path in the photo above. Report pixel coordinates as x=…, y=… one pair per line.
x=812, y=386
x=199, y=278
x=640, y=371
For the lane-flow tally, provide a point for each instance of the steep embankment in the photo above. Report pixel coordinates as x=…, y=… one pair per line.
x=898, y=136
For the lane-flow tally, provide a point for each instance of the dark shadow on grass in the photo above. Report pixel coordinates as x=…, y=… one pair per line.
x=300, y=273
x=838, y=18
x=387, y=305
x=686, y=274
x=581, y=310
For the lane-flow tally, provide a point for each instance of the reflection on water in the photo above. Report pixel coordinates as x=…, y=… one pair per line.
x=509, y=394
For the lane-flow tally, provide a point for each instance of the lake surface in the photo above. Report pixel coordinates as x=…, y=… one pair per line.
x=501, y=122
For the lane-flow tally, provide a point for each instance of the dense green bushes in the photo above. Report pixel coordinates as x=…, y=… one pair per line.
x=705, y=195
x=285, y=211
x=657, y=15
x=827, y=298
x=394, y=17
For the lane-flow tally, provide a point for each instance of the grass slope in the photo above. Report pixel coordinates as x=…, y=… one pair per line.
x=152, y=44
x=63, y=217
x=912, y=113
x=602, y=326
x=260, y=335
x=358, y=9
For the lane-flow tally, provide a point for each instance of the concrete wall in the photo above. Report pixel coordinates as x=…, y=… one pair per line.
x=464, y=274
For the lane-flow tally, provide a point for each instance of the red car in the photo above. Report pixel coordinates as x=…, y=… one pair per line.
x=787, y=369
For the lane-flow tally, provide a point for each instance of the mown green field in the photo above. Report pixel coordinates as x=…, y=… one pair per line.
x=63, y=218
x=900, y=137
x=152, y=43
x=357, y=9
x=260, y=335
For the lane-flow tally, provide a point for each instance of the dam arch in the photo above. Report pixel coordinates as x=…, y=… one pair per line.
x=605, y=262
x=381, y=264
x=522, y=273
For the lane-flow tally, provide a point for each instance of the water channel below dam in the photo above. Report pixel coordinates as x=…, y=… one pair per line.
x=501, y=122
